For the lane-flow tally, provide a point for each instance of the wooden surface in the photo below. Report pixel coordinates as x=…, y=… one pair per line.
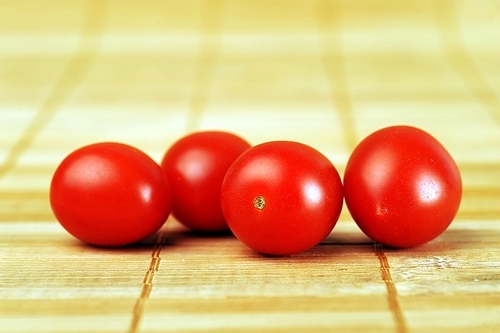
x=326, y=73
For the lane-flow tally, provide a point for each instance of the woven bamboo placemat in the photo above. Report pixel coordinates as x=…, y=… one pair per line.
x=325, y=73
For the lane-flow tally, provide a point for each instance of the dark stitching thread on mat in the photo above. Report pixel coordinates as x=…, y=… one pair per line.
x=72, y=76
x=392, y=293
x=334, y=63
x=206, y=62
x=461, y=60
x=147, y=283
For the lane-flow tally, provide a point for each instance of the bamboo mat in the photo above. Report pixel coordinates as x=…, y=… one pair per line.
x=325, y=73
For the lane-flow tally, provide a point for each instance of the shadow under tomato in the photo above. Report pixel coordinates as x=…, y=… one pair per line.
x=456, y=239
x=176, y=236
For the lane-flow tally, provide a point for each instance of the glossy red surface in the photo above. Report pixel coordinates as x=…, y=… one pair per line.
x=195, y=166
x=402, y=187
x=282, y=197
x=110, y=194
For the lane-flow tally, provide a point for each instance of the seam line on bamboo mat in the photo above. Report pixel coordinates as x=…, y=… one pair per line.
x=207, y=61
x=461, y=60
x=332, y=55
x=392, y=293
x=71, y=77
x=147, y=283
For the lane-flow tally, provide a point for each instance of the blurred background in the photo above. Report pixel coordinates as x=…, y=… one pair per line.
x=325, y=73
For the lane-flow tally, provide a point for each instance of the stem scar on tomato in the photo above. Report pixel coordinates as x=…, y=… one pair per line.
x=259, y=202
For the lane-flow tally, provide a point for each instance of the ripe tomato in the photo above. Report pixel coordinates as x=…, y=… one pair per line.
x=402, y=187
x=110, y=194
x=281, y=197
x=195, y=166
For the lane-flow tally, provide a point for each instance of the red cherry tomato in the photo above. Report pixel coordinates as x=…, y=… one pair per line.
x=195, y=166
x=402, y=187
x=110, y=194
x=281, y=197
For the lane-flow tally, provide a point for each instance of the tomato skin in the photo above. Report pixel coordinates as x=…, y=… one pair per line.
x=110, y=194
x=302, y=191
x=402, y=187
x=195, y=166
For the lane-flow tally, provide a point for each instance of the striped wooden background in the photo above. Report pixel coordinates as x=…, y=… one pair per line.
x=325, y=73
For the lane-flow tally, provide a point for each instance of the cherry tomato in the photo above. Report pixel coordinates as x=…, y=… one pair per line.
x=281, y=197
x=110, y=194
x=195, y=166
x=402, y=187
